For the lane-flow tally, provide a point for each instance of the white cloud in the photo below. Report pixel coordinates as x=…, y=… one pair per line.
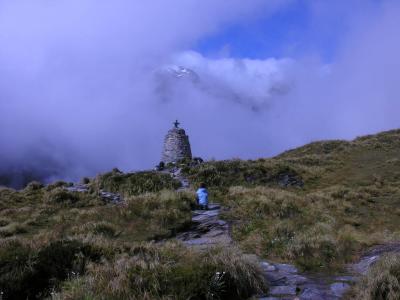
x=253, y=83
x=77, y=88
x=75, y=76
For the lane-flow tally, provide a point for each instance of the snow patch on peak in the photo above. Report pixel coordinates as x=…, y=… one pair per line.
x=180, y=72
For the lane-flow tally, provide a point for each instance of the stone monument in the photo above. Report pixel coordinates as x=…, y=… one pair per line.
x=176, y=145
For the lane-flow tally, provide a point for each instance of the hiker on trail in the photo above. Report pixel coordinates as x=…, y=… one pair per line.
x=202, y=197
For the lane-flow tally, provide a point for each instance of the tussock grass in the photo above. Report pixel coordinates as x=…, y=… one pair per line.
x=349, y=200
x=382, y=282
x=50, y=235
x=30, y=272
x=169, y=272
x=318, y=206
x=320, y=229
x=58, y=184
x=132, y=184
x=222, y=174
x=65, y=213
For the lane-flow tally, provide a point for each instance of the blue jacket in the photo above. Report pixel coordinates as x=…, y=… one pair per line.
x=202, y=195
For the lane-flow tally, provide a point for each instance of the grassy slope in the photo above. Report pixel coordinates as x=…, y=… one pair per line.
x=341, y=197
x=73, y=243
x=349, y=201
x=155, y=212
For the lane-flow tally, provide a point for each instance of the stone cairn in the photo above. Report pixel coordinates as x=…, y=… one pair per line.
x=176, y=145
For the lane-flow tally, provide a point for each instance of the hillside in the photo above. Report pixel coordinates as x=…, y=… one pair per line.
x=318, y=206
x=320, y=164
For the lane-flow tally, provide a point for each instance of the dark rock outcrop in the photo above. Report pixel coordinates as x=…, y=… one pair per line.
x=107, y=197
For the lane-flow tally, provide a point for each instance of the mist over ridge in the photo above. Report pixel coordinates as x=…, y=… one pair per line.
x=81, y=90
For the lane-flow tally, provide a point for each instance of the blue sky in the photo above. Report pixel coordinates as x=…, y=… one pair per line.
x=259, y=38
x=300, y=28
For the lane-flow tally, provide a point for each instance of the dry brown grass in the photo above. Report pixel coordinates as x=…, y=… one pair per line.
x=319, y=229
x=37, y=217
x=169, y=272
x=382, y=282
x=349, y=201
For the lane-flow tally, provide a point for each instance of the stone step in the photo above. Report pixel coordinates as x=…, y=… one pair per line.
x=282, y=290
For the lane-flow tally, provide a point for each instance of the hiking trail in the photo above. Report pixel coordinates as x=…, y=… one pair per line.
x=285, y=280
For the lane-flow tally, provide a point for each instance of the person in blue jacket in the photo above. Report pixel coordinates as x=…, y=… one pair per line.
x=202, y=197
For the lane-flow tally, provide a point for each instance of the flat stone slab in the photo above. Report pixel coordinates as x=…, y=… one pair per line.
x=107, y=197
x=267, y=267
x=282, y=290
x=77, y=189
x=207, y=229
x=200, y=241
x=296, y=280
x=199, y=215
x=215, y=233
x=276, y=278
x=372, y=256
x=213, y=206
x=362, y=266
x=345, y=278
x=316, y=294
x=222, y=223
x=339, y=288
x=206, y=211
x=287, y=283
x=286, y=268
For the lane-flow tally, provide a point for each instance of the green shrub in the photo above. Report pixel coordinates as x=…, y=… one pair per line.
x=102, y=228
x=10, y=198
x=166, y=211
x=135, y=183
x=12, y=229
x=85, y=180
x=4, y=222
x=60, y=258
x=16, y=269
x=34, y=186
x=57, y=184
x=62, y=196
x=29, y=273
x=312, y=250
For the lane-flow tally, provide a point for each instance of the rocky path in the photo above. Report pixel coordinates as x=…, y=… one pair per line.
x=285, y=280
x=207, y=229
x=176, y=173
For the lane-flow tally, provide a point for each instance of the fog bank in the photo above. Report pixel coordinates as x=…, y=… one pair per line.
x=85, y=86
